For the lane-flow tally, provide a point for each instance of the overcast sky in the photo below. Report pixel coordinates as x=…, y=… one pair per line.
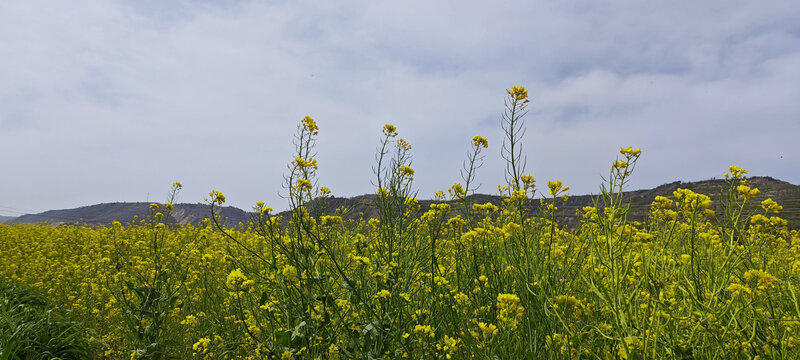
x=104, y=101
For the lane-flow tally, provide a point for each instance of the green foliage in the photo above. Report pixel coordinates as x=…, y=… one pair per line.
x=31, y=329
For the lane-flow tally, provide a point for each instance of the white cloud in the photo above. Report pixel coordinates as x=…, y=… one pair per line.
x=111, y=101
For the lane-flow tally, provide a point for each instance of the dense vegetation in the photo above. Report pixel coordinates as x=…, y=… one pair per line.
x=460, y=280
x=31, y=329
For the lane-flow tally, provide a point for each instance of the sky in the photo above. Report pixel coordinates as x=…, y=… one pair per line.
x=106, y=101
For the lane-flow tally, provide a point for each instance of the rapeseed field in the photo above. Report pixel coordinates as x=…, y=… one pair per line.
x=461, y=280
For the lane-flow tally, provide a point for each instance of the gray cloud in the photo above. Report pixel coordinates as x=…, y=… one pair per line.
x=113, y=101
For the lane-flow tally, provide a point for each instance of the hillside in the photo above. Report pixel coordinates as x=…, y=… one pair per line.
x=104, y=214
x=786, y=194
x=6, y=218
x=783, y=192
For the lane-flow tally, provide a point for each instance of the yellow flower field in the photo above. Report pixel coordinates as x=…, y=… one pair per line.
x=461, y=280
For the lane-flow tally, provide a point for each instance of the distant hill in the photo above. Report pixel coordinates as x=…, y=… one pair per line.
x=363, y=206
x=786, y=194
x=104, y=214
x=6, y=218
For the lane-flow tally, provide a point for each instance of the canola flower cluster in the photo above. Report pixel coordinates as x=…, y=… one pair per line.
x=458, y=280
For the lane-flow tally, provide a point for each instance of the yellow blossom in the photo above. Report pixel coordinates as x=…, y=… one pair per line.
x=406, y=171
x=479, y=141
x=736, y=172
x=390, y=130
x=738, y=289
x=403, y=144
x=201, y=346
x=310, y=125
x=217, y=197
x=556, y=187
x=630, y=152
x=290, y=272
x=333, y=352
x=487, y=328
x=518, y=93
x=236, y=279
x=424, y=330
x=305, y=163
x=528, y=180
x=457, y=191
x=303, y=184
x=746, y=193
x=765, y=280
x=383, y=294
x=770, y=205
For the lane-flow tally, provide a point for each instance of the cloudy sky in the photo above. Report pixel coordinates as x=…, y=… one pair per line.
x=104, y=101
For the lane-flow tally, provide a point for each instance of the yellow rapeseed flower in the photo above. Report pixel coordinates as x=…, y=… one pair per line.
x=402, y=143
x=737, y=289
x=290, y=272
x=457, y=191
x=424, y=330
x=630, y=152
x=201, y=346
x=518, y=92
x=236, y=279
x=747, y=193
x=217, y=197
x=661, y=202
x=389, y=130
x=333, y=352
x=305, y=163
x=406, y=171
x=556, y=187
x=765, y=280
x=449, y=345
x=487, y=207
x=736, y=172
x=691, y=201
x=310, y=124
x=303, y=184
x=505, y=301
x=190, y=320
x=460, y=298
x=487, y=328
x=759, y=219
x=528, y=180
x=479, y=141
x=770, y=205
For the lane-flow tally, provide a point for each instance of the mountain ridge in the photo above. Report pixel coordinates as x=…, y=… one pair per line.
x=361, y=206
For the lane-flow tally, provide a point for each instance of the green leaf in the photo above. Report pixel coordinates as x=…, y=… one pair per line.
x=296, y=331
x=282, y=338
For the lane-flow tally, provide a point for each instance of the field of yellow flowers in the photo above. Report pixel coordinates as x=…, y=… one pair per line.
x=461, y=280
